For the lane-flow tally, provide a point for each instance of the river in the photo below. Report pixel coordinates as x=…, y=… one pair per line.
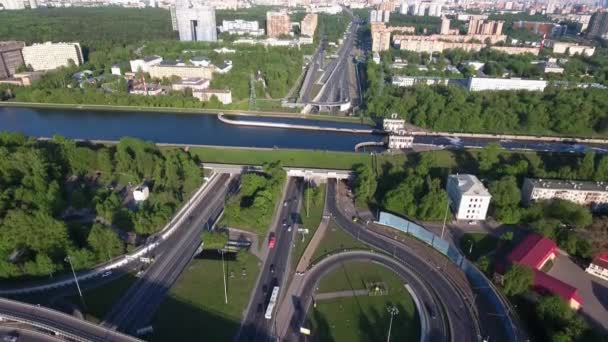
x=195, y=129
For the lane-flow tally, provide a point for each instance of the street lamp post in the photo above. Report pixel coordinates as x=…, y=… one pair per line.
x=224, y=273
x=445, y=217
x=393, y=311
x=69, y=260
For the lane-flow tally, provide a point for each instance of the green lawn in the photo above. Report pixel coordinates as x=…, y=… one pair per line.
x=482, y=244
x=364, y=318
x=311, y=214
x=336, y=239
x=195, y=309
x=100, y=300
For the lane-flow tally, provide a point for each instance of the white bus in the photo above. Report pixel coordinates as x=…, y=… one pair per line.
x=272, y=302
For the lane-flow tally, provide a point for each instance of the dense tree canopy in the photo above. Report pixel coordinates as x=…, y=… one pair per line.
x=52, y=192
x=517, y=280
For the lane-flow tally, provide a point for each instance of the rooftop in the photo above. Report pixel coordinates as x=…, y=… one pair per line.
x=546, y=283
x=470, y=185
x=532, y=251
x=601, y=260
x=192, y=80
x=560, y=184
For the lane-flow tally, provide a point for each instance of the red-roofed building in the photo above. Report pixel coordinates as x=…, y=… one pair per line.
x=546, y=284
x=534, y=251
x=599, y=266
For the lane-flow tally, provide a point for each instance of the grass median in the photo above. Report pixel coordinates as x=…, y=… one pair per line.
x=313, y=202
x=364, y=317
x=335, y=240
x=195, y=308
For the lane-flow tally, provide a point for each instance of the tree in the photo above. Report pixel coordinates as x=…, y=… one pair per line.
x=488, y=156
x=505, y=197
x=104, y=242
x=586, y=167
x=518, y=279
x=365, y=183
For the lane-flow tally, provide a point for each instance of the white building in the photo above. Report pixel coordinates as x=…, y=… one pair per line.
x=116, y=70
x=144, y=64
x=49, y=56
x=400, y=141
x=194, y=83
x=147, y=90
x=224, y=96
x=481, y=84
x=195, y=21
x=141, y=193
x=379, y=16
x=593, y=194
x=224, y=50
x=469, y=199
x=393, y=124
x=410, y=81
x=242, y=27
x=224, y=68
x=599, y=266
x=200, y=61
x=571, y=48
x=422, y=8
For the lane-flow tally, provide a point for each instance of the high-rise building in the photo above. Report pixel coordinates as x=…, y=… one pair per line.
x=421, y=8
x=381, y=37
x=379, y=16
x=469, y=198
x=489, y=27
x=10, y=58
x=598, y=26
x=195, y=21
x=12, y=4
x=49, y=56
x=277, y=24
x=445, y=26
x=309, y=24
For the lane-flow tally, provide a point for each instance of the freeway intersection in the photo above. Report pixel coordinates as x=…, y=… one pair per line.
x=447, y=311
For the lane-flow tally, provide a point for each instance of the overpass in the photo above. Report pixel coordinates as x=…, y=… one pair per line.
x=58, y=324
x=320, y=175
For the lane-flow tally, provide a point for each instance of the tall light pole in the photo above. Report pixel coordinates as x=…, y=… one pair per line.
x=68, y=259
x=393, y=311
x=224, y=273
x=445, y=217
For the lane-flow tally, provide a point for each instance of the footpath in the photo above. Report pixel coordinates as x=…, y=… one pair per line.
x=312, y=246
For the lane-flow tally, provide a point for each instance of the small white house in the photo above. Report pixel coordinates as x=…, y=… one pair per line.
x=141, y=193
x=468, y=197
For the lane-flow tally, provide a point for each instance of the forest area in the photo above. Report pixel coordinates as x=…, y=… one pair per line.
x=60, y=198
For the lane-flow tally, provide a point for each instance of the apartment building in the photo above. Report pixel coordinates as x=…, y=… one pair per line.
x=469, y=199
x=594, y=194
x=516, y=50
x=309, y=24
x=277, y=24
x=485, y=27
x=571, y=49
x=410, y=81
x=49, y=56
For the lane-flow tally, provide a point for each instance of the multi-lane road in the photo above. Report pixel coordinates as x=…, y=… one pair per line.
x=276, y=269
x=138, y=305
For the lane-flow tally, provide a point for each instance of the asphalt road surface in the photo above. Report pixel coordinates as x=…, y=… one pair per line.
x=25, y=335
x=276, y=268
x=294, y=309
x=57, y=321
x=138, y=305
x=462, y=323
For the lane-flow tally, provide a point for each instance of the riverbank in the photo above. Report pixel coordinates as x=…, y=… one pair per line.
x=206, y=111
x=228, y=121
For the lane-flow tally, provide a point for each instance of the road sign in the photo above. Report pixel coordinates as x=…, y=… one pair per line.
x=303, y=230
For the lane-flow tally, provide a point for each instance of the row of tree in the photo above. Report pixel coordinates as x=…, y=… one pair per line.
x=453, y=108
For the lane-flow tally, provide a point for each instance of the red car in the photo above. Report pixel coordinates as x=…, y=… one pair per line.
x=271, y=240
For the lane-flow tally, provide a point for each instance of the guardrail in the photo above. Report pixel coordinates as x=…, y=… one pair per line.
x=121, y=261
x=477, y=279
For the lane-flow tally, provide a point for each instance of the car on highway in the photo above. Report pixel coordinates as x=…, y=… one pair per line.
x=106, y=274
x=271, y=268
x=271, y=240
x=284, y=222
x=289, y=228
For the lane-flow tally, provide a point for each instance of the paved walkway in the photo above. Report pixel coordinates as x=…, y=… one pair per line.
x=341, y=294
x=312, y=246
